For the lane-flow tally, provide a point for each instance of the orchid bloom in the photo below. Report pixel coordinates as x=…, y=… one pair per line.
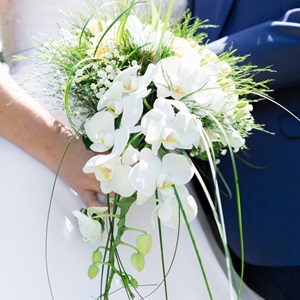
x=176, y=169
x=146, y=36
x=112, y=174
x=133, y=102
x=111, y=100
x=100, y=129
x=161, y=126
x=168, y=209
x=90, y=229
x=110, y=170
x=126, y=95
x=151, y=173
x=179, y=77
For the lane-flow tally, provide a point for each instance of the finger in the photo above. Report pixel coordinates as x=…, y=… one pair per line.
x=89, y=198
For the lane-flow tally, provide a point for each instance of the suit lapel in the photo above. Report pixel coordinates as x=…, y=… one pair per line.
x=216, y=11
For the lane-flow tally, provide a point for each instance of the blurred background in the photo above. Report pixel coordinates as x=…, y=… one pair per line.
x=1, y=57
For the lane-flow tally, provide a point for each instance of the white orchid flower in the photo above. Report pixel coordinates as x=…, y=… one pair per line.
x=176, y=170
x=100, y=129
x=179, y=77
x=161, y=126
x=128, y=78
x=90, y=229
x=126, y=95
x=109, y=169
x=133, y=101
x=112, y=174
x=111, y=99
x=146, y=36
x=168, y=210
x=130, y=156
x=212, y=98
x=187, y=128
x=143, y=175
x=155, y=121
x=150, y=173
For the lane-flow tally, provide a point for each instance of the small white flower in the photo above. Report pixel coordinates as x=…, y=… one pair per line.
x=168, y=210
x=102, y=74
x=100, y=130
x=90, y=229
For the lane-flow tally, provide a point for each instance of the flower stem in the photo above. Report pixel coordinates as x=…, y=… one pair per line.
x=194, y=242
x=129, y=245
x=135, y=229
x=162, y=258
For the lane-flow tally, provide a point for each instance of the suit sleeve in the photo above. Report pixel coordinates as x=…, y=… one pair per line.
x=273, y=43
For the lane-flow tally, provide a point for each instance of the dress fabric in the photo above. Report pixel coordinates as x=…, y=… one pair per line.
x=28, y=251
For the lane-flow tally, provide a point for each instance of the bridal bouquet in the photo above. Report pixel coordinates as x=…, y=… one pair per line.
x=148, y=97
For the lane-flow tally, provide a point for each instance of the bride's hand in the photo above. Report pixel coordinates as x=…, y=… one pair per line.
x=86, y=185
x=28, y=125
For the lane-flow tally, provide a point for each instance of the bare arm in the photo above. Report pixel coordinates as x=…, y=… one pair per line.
x=25, y=123
x=1, y=5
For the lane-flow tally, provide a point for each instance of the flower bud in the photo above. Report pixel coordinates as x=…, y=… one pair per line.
x=144, y=243
x=134, y=283
x=97, y=257
x=127, y=279
x=138, y=261
x=93, y=271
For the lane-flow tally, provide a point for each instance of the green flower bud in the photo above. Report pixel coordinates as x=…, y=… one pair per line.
x=144, y=243
x=241, y=104
x=138, y=261
x=134, y=283
x=93, y=271
x=127, y=279
x=97, y=257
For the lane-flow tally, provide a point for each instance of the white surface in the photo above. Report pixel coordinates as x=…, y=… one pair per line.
x=25, y=189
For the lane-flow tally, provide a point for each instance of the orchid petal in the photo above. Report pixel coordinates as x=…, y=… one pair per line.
x=178, y=168
x=113, y=94
x=121, y=139
x=132, y=109
x=130, y=156
x=90, y=229
x=120, y=182
x=144, y=174
x=97, y=160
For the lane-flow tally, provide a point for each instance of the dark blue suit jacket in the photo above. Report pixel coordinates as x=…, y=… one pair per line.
x=269, y=30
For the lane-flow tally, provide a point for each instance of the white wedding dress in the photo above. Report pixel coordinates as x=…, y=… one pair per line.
x=25, y=189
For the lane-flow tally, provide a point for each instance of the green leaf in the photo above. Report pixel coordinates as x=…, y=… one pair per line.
x=87, y=142
x=124, y=205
